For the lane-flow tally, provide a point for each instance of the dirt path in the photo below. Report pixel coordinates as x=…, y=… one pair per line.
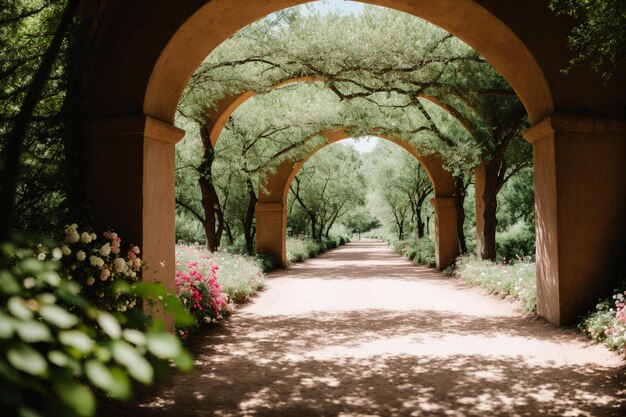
x=361, y=331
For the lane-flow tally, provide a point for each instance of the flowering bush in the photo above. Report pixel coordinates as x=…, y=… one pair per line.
x=200, y=293
x=517, y=280
x=95, y=263
x=55, y=346
x=238, y=275
x=608, y=323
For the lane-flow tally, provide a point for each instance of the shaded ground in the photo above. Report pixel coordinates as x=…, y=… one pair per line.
x=361, y=331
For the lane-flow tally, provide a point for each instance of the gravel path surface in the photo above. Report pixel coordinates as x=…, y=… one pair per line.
x=360, y=331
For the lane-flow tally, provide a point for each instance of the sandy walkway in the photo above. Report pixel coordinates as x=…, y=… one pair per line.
x=360, y=331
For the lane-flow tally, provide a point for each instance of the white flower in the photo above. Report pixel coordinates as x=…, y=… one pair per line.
x=80, y=255
x=93, y=236
x=135, y=250
x=90, y=280
x=57, y=253
x=41, y=256
x=29, y=282
x=119, y=265
x=85, y=237
x=65, y=250
x=71, y=234
x=121, y=308
x=95, y=261
x=105, y=250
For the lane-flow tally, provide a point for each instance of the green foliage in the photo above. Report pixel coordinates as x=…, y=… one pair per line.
x=421, y=251
x=517, y=281
x=599, y=39
x=56, y=348
x=301, y=248
x=516, y=243
x=50, y=166
x=327, y=188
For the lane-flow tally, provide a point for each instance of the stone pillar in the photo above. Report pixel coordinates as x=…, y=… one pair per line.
x=479, y=190
x=271, y=226
x=580, y=205
x=446, y=236
x=130, y=187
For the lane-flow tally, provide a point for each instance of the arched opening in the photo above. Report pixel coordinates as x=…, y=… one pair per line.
x=272, y=214
x=138, y=78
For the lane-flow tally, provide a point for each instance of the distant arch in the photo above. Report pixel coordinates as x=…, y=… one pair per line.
x=271, y=213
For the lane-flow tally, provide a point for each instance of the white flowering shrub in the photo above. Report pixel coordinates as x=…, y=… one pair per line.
x=56, y=347
x=96, y=263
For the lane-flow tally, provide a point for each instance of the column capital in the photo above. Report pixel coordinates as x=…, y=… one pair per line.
x=442, y=202
x=271, y=207
x=133, y=125
x=571, y=123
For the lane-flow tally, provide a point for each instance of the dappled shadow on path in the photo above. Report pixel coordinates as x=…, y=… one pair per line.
x=382, y=363
x=401, y=341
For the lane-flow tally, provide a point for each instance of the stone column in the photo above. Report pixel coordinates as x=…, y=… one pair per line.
x=130, y=187
x=446, y=236
x=271, y=226
x=580, y=205
x=479, y=190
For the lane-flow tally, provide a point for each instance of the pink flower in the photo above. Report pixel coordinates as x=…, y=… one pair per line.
x=104, y=274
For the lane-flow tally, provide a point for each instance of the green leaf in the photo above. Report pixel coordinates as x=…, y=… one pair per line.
x=33, y=331
x=138, y=367
x=163, y=344
x=17, y=307
x=77, y=396
x=27, y=359
x=115, y=384
x=76, y=339
x=51, y=277
x=58, y=316
x=122, y=387
x=134, y=336
x=6, y=327
x=8, y=283
x=31, y=266
x=110, y=325
x=184, y=361
x=27, y=412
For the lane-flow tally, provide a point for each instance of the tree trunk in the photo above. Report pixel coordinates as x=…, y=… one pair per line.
x=229, y=233
x=248, y=224
x=214, y=218
x=420, y=222
x=15, y=139
x=459, y=200
x=490, y=198
x=313, y=219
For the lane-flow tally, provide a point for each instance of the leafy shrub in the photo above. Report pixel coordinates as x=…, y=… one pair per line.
x=421, y=251
x=239, y=276
x=516, y=243
x=267, y=262
x=300, y=248
x=55, y=346
x=517, y=280
x=297, y=250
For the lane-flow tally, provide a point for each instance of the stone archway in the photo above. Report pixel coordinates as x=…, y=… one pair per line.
x=271, y=212
x=147, y=50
